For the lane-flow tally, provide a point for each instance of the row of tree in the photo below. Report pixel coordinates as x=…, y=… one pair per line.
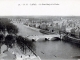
x=12, y=38
x=9, y=27
x=25, y=44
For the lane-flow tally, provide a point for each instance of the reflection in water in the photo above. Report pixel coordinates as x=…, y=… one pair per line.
x=56, y=49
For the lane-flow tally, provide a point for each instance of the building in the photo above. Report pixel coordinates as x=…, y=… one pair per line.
x=43, y=26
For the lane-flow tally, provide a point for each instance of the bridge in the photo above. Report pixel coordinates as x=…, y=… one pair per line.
x=45, y=37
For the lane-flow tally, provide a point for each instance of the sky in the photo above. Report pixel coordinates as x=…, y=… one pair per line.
x=20, y=8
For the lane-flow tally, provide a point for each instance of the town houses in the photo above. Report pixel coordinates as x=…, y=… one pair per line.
x=53, y=26
x=18, y=20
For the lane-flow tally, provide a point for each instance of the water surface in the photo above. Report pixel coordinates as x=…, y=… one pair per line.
x=56, y=49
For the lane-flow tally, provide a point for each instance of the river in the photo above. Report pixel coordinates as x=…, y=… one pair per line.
x=50, y=49
x=56, y=49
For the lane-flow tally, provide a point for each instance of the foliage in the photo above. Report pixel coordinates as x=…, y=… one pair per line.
x=44, y=31
x=5, y=24
x=1, y=38
x=2, y=27
x=11, y=28
x=25, y=43
x=9, y=40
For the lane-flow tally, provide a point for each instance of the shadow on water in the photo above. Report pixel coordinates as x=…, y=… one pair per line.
x=73, y=44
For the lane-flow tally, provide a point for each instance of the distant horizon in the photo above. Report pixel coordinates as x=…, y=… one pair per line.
x=39, y=16
x=45, y=18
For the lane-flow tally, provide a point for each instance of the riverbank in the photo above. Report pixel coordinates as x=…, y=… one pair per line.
x=71, y=39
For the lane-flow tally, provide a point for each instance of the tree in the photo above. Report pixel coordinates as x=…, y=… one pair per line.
x=73, y=32
x=9, y=41
x=20, y=43
x=1, y=40
x=11, y=29
x=5, y=24
x=25, y=43
x=2, y=26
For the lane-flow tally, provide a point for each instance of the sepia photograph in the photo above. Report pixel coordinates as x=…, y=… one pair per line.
x=39, y=30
